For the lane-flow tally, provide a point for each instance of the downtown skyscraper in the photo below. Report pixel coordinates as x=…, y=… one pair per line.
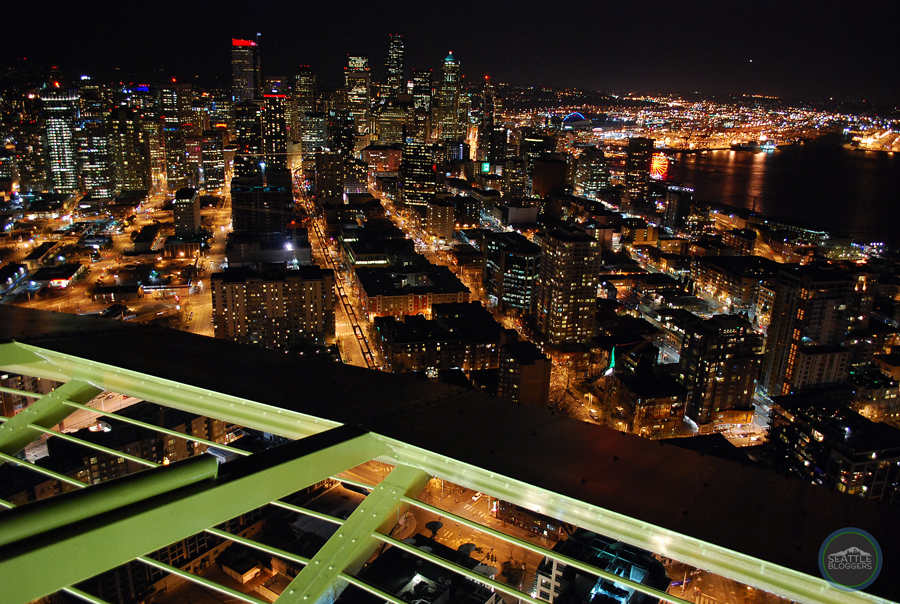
x=246, y=83
x=61, y=111
x=394, y=66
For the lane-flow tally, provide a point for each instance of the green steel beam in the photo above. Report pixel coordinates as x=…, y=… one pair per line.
x=46, y=563
x=280, y=553
x=155, y=428
x=84, y=595
x=497, y=585
x=728, y=563
x=307, y=512
x=47, y=412
x=33, y=360
x=354, y=482
x=56, y=512
x=44, y=471
x=96, y=447
x=6, y=504
x=568, y=561
x=20, y=392
x=201, y=581
x=274, y=551
x=353, y=543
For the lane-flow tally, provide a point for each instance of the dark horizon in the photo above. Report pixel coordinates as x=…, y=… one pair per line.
x=767, y=48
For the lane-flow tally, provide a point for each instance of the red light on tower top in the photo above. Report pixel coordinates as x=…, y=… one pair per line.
x=237, y=42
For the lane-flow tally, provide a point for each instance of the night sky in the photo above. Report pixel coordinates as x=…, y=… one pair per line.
x=789, y=48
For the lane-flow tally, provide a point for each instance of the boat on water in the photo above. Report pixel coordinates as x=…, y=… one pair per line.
x=766, y=145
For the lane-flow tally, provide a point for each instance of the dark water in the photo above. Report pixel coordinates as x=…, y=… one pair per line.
x=823, y=185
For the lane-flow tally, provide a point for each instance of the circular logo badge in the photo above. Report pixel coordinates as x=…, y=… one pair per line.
x=850, y=559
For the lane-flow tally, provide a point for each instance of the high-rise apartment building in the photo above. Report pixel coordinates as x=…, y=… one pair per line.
x=394, y=66
x=449, y=100
x=809, y=325
x=511, y=271
x=60, y=110
x=175, y=112
x=719, y=366
x=130, y=151
x=186, y=212
x=276, y=308
x=637, y=169
x=567, y=296
x=93, y=158
x=245, y=75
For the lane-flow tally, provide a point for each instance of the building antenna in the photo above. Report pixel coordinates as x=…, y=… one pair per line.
x=257, y=38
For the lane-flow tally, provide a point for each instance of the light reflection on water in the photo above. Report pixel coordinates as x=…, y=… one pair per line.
x=822, y=185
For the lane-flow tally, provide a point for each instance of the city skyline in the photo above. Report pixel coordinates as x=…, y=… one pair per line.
x=787, y=51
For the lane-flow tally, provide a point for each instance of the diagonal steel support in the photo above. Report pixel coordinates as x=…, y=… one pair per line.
x=47, y=412
x=45, y=563
x=353, y=543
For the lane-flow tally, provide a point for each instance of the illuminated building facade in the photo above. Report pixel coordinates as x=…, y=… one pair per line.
x=276, y=308
x=357, y=81
x=637, y=169
x=130, y=151
x=274, y=125
x=186, y=212
x=246, y=83
x=719, y=366
x=394, y=66
x=591, y=172
x=421, y=89
x=809, y=324
x=570, y=268
x=213, y=153
x=418, y=173
x=258, y=210
x=511, y=271
x=175, y=109
x=305, y=93
x=449, y=107
x=248, y=137
x=60, y=108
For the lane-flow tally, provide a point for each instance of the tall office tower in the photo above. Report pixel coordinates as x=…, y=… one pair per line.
x=394, y=66
x=221, y=110
x=60, y=109
x=260, y=211
x=130, y=151
x=357, y=82
x=391, y=119
x=175, y=111
x=486, y=128
x=637, y=170
x=305, y=89
x=213, y=150
x=248, y=138
x=448, y=100
x=719, y=366
x=152, y=133
x=275, y=308
x=245, y=76
x=93, y=158
x=274, y=132
x=421, y=89
x=418, y=172
x=511, y=271
x=186, y=212
x=809, y=324
x=340, y=127
x=567, y=296
x=591, y=172
x=29, y=131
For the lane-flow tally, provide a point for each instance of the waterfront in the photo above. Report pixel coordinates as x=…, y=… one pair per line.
x=824, y=184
